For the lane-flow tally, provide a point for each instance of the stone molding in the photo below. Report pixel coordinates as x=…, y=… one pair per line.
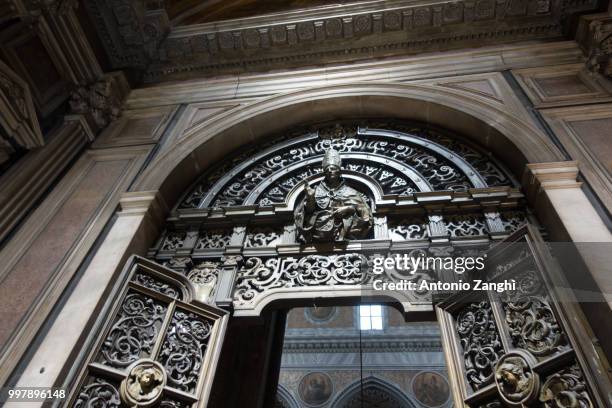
x=28, y=180
x=18, y=118
x=539, y=177
x=563, y=85
x=591, y=160
x=429, y=103
x=393, y=70
x=328, y=34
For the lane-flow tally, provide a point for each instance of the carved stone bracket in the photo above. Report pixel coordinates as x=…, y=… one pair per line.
x=595, y=37
x=101, y=101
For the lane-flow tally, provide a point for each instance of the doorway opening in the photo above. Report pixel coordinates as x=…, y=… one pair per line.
x=362, y=356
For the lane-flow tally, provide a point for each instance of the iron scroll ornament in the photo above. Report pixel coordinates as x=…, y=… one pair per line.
x=400, y=159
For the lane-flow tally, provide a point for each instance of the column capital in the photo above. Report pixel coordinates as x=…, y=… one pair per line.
x=142, y=202
x=551, y=175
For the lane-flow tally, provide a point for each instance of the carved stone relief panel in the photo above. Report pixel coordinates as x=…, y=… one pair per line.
x=563, y=85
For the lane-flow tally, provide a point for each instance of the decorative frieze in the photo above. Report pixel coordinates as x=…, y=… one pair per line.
x=146, y=39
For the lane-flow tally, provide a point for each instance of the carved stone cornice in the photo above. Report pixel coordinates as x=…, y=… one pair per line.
x=318, y=35
x=130, y=31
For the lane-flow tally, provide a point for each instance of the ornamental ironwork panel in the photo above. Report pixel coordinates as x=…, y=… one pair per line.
x=134, y=332
x=521, y=347
x=529, y=314
x=182, y=351
x=154, y=349
x=259, y=275
x=480, y=341
x=399, y=160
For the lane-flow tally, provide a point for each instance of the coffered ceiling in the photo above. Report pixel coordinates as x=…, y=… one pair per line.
x=177, y=39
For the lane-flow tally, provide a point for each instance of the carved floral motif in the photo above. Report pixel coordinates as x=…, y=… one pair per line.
x=134, y=332
x=98, y=393
x=183, y=349
x=566, y=389
x=480, y=341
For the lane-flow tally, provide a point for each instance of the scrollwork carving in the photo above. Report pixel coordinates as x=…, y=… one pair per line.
x=258, y=275
x=267, y=172
x=566, y=389
x=530, y=318
x=466, y=225
x=408, y=229
x=513, y=220
x=183, y=349
x=157, y=285
x=262, y=237
x=98, y=393
x=173, y=241
x=213, y=238
x=480, y=341
x=134, y=332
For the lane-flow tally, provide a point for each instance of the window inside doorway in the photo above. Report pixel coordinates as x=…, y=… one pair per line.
x=362, y=356
x=370, y=317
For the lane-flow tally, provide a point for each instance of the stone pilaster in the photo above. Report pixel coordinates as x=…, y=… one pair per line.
x=552, y=189
x=136, y=224
x=29, y=179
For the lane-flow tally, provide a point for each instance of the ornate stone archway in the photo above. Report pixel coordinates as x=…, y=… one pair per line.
x=488, y=124
x=221, y=274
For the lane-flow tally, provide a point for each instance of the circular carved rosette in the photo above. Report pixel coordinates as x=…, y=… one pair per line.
x=144, y=384
x=517, y=383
